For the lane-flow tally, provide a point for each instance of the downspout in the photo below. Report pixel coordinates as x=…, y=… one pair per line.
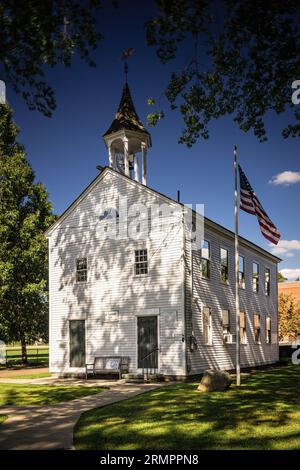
x=185, y=335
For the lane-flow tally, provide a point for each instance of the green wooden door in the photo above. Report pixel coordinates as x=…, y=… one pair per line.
x=147, y=342
x=77, y=343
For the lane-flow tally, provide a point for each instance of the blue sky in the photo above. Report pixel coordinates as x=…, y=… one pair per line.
x=65, y=149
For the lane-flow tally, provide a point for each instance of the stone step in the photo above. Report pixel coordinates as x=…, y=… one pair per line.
x=134, y=381
x=132, y=376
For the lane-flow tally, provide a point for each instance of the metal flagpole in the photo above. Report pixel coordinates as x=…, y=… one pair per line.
x=236, y=249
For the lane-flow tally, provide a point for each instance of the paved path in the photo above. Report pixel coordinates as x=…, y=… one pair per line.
x=51, y=426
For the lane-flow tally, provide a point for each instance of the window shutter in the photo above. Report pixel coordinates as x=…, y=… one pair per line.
x=256, y=320
x=242, y=320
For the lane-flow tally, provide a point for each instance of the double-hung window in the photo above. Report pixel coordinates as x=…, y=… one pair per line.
x=207, y=326
x=141, y=262
x=268, y=330
x=205, y=259
x=81, y=270
x=255, y=277
x=227, y=336
x=267, y=281
x=224, y=265
x=241, y=272
x=243, y=337
x=257, y=327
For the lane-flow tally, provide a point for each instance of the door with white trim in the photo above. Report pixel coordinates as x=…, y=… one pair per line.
x=147, y=342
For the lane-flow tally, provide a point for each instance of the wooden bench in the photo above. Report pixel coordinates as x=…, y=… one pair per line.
x=107, y=365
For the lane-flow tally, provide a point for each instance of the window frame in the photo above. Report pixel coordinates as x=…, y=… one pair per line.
x=267, y=282
x=81, y=270
x=139, y=263
x=226, y=281
x=257, y=339
x=243, y=277
x=268, y=331
x=243, y=328
x=209, y=341
x=226, y=327
x=255, y=277
x=208, y=260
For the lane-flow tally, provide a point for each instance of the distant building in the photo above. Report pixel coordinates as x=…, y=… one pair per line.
x=290, y=288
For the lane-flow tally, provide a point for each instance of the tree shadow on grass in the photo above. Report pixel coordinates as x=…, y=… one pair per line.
x=263, y=413
x=20, y=395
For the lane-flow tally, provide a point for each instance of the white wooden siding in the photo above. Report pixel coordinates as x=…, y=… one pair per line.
x=113, y=296
x=112, y=285
x=216, y=295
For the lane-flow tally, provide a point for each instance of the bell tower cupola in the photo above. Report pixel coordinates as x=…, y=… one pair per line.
x=128, y=141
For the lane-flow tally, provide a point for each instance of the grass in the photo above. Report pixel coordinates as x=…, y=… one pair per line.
x=41, y=375
x=2, y=418
x=36, y=354
x=19, y=394
x=264, y=413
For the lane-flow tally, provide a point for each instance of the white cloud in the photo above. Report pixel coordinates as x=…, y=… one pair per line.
x=291, y=274
x=285, y=248
x=286, y=178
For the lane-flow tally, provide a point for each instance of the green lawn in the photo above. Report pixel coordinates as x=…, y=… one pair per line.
x=42, y=375
x=264, y=413
x=36, y=355
x=19, y=394
x=2, y=418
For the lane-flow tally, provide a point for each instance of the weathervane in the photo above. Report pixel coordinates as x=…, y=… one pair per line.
x=126, y=53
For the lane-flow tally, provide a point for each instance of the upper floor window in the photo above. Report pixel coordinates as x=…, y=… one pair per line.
x=243, y=336
x=255, y=277
x=224, y=264
x=141, y=262
x=205, y=259
x=81, y=270
x=268, y=330
x=242, y=272
x=257, y=327
x=207, y=326
x=267, y=281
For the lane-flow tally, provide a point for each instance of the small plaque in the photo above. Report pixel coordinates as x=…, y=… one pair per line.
x=171, y=319
x=112, y=316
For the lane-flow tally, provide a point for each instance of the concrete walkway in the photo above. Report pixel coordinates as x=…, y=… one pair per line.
x=51, y=426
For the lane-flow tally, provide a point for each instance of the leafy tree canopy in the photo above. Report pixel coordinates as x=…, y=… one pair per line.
x=244, y=56
x=281, y=277
x=25, y=213
x=35, y=33
x=289, y=317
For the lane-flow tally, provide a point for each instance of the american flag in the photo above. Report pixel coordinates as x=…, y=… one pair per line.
x=250, y=203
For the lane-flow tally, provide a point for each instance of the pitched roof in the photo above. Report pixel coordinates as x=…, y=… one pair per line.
x=126, y=117
x=208, y=221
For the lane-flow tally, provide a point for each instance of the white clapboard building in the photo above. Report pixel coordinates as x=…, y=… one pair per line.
x=151, y=290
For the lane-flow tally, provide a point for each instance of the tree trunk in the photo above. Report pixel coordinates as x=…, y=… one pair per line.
x=24, y=350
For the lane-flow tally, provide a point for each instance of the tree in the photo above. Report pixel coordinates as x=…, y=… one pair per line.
x=281, y=277
x=35, y=34
x=243, y=58
x=289, y=316
x=25, y=213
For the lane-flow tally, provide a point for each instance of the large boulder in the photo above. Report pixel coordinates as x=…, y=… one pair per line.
x=214, y=381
